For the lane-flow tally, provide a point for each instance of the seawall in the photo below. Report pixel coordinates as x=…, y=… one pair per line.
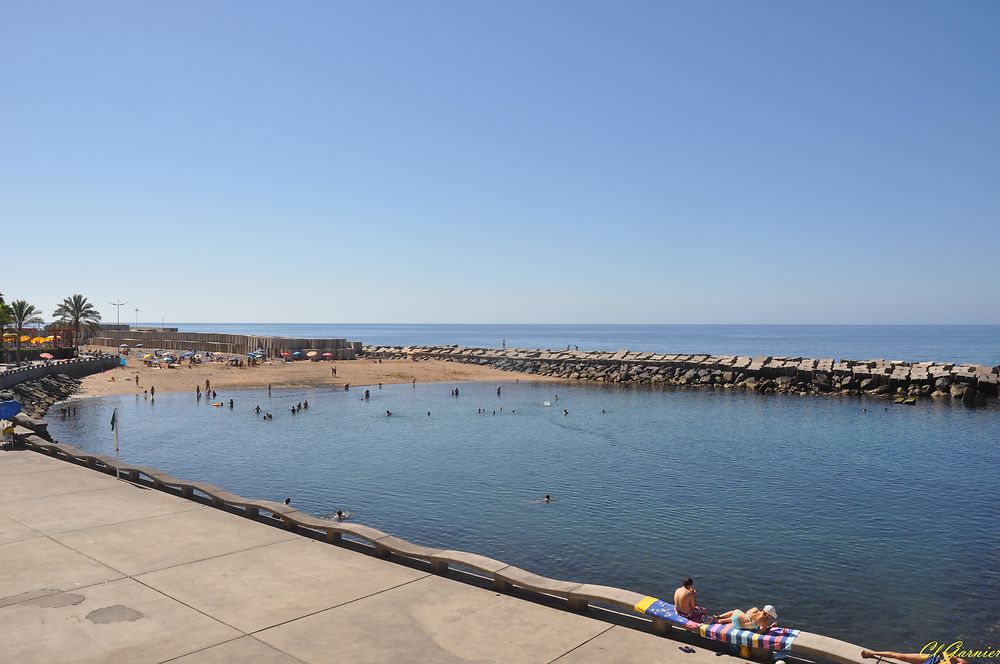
x=75, y=368
x=972, y=383
x=37, y=387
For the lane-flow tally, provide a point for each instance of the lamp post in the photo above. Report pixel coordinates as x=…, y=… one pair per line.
x=119, y=305
x=137, y=317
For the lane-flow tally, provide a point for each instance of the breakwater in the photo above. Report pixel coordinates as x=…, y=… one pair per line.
x=36, y=387
x=238, y=344
x=971, y=383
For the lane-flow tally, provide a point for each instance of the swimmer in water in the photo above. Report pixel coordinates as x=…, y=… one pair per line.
x=341, y=515
x=565, y=412
x=546, y=498
x=388, y=413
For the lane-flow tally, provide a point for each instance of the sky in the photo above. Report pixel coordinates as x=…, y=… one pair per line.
x=504, y=162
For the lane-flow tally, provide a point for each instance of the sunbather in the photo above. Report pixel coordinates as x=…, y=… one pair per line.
x=750, y=619
x=913, y=658
x=686, y=602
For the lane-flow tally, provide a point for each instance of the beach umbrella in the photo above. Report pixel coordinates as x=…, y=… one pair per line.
x=123, y=345
x=25, y=337
x=50, y=338
x=297, y=354
x=285, y=354
x=46, y=356
x=327, y=354
x=312, y=353
x=147, y=356
x=38, y=340
x=140, y=346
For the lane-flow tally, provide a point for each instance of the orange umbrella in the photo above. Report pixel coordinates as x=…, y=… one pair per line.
x=25, y=337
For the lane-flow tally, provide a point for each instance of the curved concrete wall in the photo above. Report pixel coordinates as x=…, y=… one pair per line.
x=76, y=368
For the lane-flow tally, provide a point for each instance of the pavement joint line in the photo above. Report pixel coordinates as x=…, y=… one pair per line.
x=199, y=560
x=99, y=562
x=70, y=493
x=15, y=520
x=32, y=471
x=114, y=523
x=337, y=606
x=580, y=645
x=237, y=638
x=171, y=597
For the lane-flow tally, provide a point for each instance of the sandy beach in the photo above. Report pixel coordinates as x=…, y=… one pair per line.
x=288, y=374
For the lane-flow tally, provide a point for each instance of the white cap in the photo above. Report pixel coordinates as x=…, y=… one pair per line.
x=771, y=611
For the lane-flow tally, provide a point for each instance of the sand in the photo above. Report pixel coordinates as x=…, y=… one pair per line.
x=289, y=374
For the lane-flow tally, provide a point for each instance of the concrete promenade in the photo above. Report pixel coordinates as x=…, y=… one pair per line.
x=93, y=569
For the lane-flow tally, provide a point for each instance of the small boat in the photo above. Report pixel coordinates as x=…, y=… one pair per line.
x=217, y=405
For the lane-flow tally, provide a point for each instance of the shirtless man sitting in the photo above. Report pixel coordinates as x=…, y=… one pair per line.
x=686, y=602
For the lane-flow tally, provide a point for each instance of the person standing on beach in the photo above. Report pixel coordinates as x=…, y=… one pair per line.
x=208, y=386
x=152, y=391
x=268, y=390
x=498, y=389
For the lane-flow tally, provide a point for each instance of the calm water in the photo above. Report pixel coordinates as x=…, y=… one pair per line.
x=952, y=343
x=878, y=527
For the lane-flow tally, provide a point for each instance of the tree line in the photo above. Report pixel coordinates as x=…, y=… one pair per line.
x=74, y=312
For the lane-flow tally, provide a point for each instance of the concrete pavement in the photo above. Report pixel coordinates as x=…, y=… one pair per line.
x=93, y=569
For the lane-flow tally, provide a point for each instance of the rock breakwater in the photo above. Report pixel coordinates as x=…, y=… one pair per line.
x=970, y=383
x=37, y=396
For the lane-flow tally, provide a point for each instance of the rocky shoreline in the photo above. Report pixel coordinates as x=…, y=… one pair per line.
x=37, y=396
x=971, y=384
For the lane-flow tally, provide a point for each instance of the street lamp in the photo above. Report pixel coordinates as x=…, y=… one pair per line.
x=119, y=305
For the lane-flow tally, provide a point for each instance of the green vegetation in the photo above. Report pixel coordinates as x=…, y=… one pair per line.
x=79, y=314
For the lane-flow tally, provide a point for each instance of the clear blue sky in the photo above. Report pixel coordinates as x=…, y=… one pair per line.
x=537, y=161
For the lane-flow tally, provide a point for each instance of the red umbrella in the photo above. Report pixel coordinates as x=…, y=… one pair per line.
x=285, y=354
x=327, y=354
x=46, y=356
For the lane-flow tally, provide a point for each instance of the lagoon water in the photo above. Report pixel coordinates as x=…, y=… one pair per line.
x=877, y=527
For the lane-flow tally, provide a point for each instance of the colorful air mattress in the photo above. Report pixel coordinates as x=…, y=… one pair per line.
x=777, y=638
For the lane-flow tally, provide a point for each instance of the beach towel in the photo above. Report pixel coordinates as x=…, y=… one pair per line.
x=777, y=638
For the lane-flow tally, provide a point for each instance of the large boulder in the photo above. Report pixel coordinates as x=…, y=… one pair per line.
x=869, y=384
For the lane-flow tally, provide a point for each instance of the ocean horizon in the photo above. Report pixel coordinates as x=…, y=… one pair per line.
x=960, y=344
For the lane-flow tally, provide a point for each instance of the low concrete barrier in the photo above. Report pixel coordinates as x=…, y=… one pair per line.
x=75, y=368
x=578, y=596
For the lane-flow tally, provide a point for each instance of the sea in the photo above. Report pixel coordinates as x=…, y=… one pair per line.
x=974, y=344
x=860, y=519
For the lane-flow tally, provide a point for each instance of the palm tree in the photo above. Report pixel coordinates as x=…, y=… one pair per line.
x=79, y=314
x=6, y=318
x=24, y=314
